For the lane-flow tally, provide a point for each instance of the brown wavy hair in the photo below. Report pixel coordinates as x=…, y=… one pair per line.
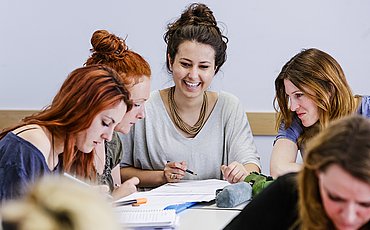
x=196, y=23
x=111, y=50
x=345, y=143
x=86, y=92
x=319, y=73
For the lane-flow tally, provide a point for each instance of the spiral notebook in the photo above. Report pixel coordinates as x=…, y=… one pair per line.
x=148, y=218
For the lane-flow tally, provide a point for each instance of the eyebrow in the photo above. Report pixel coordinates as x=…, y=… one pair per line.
x=343, y=199
x=139, y=100
x=202, y=62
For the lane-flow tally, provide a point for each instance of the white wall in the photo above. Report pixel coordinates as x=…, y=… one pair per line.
x=41, y=41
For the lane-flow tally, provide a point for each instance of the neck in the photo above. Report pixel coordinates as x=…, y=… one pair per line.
x=57, y=147
x=184, y=103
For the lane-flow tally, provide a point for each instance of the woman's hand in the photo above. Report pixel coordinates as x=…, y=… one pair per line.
x=126, y=188
x=234, y=172
x=174, y=171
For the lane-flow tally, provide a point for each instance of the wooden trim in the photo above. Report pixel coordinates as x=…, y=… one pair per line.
x=12, y=117
x=262, y=123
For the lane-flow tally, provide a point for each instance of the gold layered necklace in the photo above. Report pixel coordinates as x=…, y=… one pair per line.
x=191, y=130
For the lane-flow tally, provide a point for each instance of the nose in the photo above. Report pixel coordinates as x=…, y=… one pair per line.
x=349, y=213
x=293, y=104
x=141, y=113
x=107, y=135
x=194, y=72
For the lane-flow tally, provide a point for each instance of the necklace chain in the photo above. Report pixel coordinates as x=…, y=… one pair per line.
x=191, y=130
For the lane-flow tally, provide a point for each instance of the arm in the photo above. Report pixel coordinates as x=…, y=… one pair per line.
x=241, y=150
x=236, y=172
x=126, y=188
x=154, y=178
x=283, y=158
x=148, y=178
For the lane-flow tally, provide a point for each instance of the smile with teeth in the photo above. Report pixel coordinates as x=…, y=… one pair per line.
x=192, y=85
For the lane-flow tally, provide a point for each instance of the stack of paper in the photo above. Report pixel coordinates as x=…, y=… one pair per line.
x=154, y=218
x=152, y=213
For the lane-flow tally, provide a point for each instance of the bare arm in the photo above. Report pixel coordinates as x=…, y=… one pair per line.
x=283, y=158
x=172, y=172
x=148, y=178
x=116, y=175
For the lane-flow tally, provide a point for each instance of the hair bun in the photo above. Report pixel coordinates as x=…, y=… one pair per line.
x=200, y=14
x=105, y=43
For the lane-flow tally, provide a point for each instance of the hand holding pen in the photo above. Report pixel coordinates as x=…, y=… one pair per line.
x=175, y=171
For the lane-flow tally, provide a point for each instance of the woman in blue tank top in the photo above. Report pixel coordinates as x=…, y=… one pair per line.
x=311, y=91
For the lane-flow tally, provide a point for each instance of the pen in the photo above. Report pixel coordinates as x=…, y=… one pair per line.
x=180, y=207
x=137, y=201
x=188, y=171
x=191, y=172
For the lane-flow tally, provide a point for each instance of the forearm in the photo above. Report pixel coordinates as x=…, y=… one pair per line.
x=250, y=167
x=284, y=168
x=148, y=178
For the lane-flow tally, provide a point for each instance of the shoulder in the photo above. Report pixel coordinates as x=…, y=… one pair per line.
x=292, y=132
x=154, y=96
x=114, y=148
x=229, y=97
x=36, y=135
x=364, y=106
x=229, y=101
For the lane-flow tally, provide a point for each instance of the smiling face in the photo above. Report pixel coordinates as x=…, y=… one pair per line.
x=193, y=68
x=139, y=95
x=346, y=199
x=305, y=108
x=101, y=128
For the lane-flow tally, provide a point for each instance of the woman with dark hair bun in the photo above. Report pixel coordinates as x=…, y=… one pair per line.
x=187, y=125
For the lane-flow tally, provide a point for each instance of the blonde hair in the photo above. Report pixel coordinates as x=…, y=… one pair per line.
x=345, y=143
x=59, y=203
x=322, y=79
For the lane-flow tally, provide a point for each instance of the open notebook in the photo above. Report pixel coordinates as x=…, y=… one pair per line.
x=148, y=218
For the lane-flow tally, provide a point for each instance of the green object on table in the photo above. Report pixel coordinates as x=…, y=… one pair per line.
x=258, y=181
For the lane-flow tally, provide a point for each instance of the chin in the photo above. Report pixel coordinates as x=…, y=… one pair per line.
x=86, y=149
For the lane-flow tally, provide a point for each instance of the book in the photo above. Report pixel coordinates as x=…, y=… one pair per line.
x=148, y=218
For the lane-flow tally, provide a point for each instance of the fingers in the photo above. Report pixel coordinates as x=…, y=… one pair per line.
x=174, y=171
x=126, y=188
x=134, y=181
x=234, y=172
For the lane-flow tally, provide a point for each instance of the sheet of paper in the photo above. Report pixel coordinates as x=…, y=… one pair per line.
x=177, y=193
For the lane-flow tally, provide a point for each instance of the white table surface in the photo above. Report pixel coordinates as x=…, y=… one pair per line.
x=214, y=219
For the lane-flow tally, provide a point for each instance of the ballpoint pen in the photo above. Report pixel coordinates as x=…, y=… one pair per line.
x=137, y=201
x=188, y=171
x=180, y=207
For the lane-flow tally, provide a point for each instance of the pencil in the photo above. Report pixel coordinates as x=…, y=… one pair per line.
x=137, y=201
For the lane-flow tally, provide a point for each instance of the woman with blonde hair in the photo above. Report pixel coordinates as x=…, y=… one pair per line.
x=332, y=191
x=111, y=50
x=311, y=91
x=60, y=204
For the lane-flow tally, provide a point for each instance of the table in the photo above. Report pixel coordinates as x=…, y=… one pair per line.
x=199, y=218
